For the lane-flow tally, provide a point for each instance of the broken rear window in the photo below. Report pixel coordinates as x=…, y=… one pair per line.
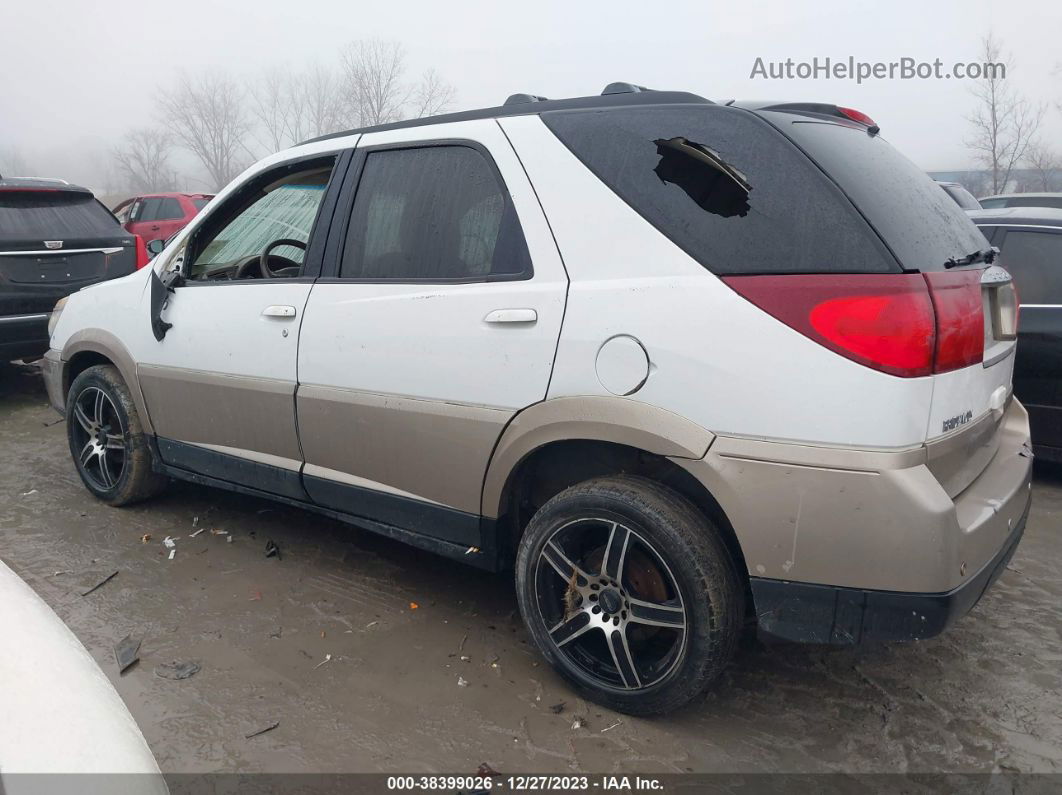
x=726, y=187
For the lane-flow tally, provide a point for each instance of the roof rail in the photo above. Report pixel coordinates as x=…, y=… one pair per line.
x=623, y=88
x=521, y=99
x=49, y=179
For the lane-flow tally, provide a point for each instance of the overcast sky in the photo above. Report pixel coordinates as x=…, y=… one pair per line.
x=75, y=74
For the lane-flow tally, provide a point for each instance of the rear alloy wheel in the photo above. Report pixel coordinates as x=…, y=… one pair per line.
x=107, y=442
x=629, y=591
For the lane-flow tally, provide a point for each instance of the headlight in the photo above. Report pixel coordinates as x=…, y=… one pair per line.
x=54, y=318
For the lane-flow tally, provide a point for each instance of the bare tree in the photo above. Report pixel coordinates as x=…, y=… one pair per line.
x=1045, y=164
x=207, y=116
x=143, y=160
x=323, y=101
x=373, y=82
x=272, y=107
x=1004, y=122
x=432, y=96
x=13, y=163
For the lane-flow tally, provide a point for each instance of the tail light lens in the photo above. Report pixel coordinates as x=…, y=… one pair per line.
x=907, y=325
x=960, y=318
x=142, y=257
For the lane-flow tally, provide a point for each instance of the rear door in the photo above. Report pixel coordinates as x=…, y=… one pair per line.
x=169, y=218
x=53, y=242
x=1034, y=257
x=435, y=321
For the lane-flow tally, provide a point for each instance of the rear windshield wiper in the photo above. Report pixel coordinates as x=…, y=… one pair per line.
x=986, y=256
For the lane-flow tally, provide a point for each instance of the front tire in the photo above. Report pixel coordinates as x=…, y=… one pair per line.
x=111, y=452
x=629, y=591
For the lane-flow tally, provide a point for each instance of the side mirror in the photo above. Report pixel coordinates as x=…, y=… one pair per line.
x=155, y=247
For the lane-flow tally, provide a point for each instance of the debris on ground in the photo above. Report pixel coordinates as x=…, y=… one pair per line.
x=465, y=658
x=268, y=728
x=413, y=605
x=197, y=532
x=177, y=669
x=169, y=543
x=256, y=596
x=461, y=648
x=272, y=550
x=276, y=633
x=195, y=521
x=613, y=726
x=557, y=708
x=327, y=658
x=471, y=550
x=578, y=723
x=126, y=652
x=228, y=540
x=485, y=770
x=101, y=583
x=462, y=682
x=28, y=493
x=371, y=624
x=215, y=532
x=145, y=538
x=172, y=553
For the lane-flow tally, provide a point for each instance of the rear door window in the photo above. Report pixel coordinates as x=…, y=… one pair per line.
x=726, y=187
x=169, y=209
x=1034, y=259
x=432, y=213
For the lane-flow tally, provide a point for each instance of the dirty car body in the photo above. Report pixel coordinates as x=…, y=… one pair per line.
x=679, y=363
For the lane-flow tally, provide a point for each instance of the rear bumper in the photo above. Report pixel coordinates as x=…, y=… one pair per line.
x=23, y=336
x=841, y=535
x=807, y=613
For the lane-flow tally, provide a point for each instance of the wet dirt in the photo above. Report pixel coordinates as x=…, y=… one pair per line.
x=325, y=641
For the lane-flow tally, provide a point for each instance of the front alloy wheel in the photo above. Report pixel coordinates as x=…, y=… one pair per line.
x=99, y=437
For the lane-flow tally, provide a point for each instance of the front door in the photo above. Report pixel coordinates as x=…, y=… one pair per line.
x=437, y=323
x=220, y=385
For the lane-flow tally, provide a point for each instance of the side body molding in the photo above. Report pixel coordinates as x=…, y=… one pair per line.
x=589, y=418
x=106, y=344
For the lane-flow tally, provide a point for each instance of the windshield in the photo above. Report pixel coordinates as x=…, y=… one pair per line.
x=922, y=225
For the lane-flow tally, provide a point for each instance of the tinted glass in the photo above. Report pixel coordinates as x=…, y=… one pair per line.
x=992, y=204
x=917, y=220
x=1034, y=259
x=169, y=209
x=1035, y=201
x=53, y=215
x=724, y=185
x=200, y=203
x=432, y=213
x=286, y=212
x=149, y=210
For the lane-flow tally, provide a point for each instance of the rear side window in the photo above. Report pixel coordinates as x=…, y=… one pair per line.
x=992, y=204
x=53, y=215
x=169, y=209
x=921, y=225
x=432, y=213
x=1034, y=259
x=726, y=187
x=200, y=203
x=1035, y=201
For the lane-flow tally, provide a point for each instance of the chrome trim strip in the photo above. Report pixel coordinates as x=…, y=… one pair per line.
x=1000, y=356
x=1025, y=226
x=21, y=318
x=325, y=473
x=54, y=251
x=1040, y=306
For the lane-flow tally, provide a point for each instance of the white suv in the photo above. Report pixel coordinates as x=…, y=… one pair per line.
x=685, y=366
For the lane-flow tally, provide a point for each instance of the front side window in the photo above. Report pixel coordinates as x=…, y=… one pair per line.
x=1034, y=259
x=283, y=210
x=432, y=213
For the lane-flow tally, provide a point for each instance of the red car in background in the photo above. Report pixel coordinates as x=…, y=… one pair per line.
x=158, y=216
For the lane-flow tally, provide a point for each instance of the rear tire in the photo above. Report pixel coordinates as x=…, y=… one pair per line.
x=111, y=452
x=629, y=591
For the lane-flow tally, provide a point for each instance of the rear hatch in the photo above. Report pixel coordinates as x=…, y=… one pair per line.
x=974, y=304
x=55, y=240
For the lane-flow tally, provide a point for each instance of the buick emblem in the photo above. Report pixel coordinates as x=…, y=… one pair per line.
x=53, y=243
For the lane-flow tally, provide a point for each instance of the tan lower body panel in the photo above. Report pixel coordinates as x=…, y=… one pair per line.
x=424, y=449
x=246, y=415
x=874, y=520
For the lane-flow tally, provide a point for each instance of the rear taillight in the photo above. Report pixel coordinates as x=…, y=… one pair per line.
x=906, y=325
x=142, y=257
x=960, y=319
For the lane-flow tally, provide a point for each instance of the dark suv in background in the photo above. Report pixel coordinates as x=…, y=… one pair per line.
x=1030, y=239
x=55, y=238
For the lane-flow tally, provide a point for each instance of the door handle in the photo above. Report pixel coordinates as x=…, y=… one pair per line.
x=511, y=316
x=278, y=310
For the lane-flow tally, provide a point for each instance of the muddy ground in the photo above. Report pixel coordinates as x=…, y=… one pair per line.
x=986, y=696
